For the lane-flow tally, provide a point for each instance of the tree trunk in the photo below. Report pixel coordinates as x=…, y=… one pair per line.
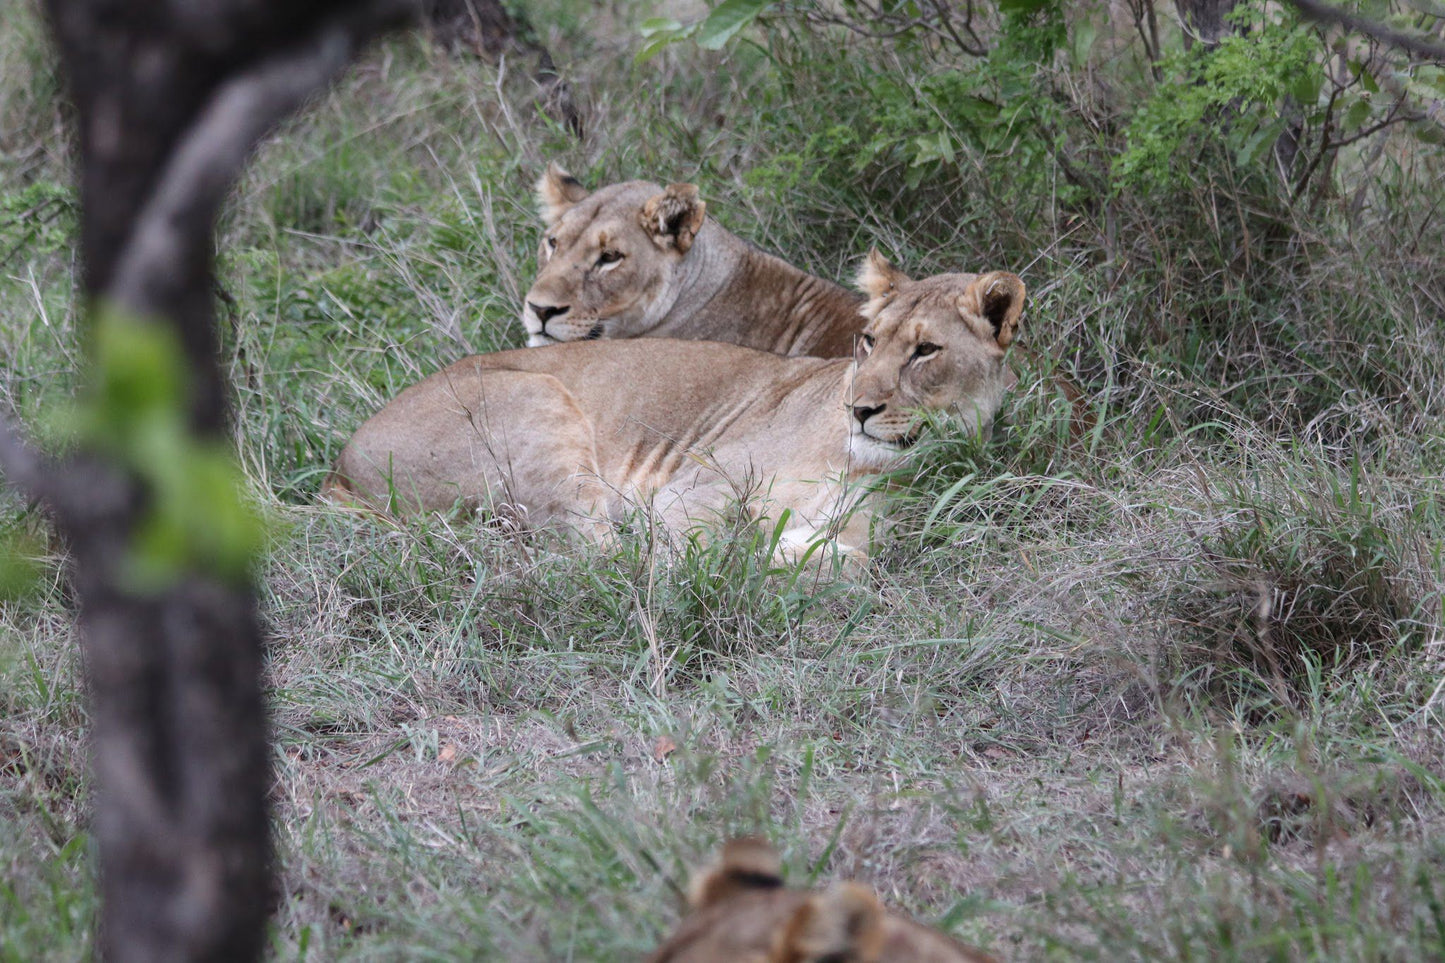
x=483, y=25
x=488, y=28
x=1204, y=21
x=170, y=98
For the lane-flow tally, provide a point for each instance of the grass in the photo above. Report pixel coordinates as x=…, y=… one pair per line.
x=1161, y=681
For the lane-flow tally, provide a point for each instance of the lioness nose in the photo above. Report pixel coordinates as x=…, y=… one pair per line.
x=547, y=312
x=864, y=412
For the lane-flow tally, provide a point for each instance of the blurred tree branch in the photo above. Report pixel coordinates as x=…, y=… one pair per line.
x=170, y=100
x=1410, y=43
x=941, y=19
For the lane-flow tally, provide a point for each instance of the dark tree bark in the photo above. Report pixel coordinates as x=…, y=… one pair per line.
x=1204, y=20
x=485, y=26
x=170, y=98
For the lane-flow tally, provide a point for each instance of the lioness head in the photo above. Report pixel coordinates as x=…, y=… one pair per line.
x=608, y=260
x=930, y=345
x=742, y=913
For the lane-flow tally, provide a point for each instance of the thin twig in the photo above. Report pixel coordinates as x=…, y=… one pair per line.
x=889, y=27
x=1325, y=146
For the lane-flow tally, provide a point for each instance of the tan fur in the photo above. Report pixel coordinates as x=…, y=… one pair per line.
x=746, y=863
x=709, y=286
x=877, y=279
x=679, y=275
x=580, y=435
x=844, y=923
x=557, y=190
x=765, y=923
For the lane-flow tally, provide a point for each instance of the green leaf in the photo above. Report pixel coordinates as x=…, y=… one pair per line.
x=654, y=26
x=140, y=368
x=652, y=49
x=1022, y=6
x=1083, y=42
x=928, y=148
x=20, y=567
x=1305, y=88
x=974, y=111
x=726, y=20
x=198, y=519
x=661, y=32
x=1257, y=143
x=1430, y=134
x=1356, y=115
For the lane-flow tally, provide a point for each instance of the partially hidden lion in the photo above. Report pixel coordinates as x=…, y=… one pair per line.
x=637, y=259
x=741, y=913
x=582, y=435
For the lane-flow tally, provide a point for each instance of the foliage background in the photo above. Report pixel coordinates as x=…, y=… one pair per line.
x=1169, y=687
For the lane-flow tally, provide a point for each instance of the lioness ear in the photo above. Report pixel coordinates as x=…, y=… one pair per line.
x=557, y=192
x=674, y=217
x=879, y=280
x=748, y=863
x=845, y=923
x=998, y=298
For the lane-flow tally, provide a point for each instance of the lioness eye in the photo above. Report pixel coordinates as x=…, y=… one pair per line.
x=552, y=243
x=926, y=349
x=609, y=257
x=868, y=342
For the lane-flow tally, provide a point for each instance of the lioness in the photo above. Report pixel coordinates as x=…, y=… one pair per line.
x=638, y=260
x=742, y=914
x=582, y=434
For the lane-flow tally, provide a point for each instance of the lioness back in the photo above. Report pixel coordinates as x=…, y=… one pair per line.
x=742, y=912
x=629, y=413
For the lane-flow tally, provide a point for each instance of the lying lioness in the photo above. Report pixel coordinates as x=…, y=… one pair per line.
x=742, y=914
x=636, y=260
x=581, y=435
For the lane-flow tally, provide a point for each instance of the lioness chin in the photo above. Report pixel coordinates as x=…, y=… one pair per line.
x=583, y=435
x=741, y=913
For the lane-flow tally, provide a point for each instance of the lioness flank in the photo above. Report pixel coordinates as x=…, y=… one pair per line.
x=581, y=435
x=636, y=260
x=742, y=914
